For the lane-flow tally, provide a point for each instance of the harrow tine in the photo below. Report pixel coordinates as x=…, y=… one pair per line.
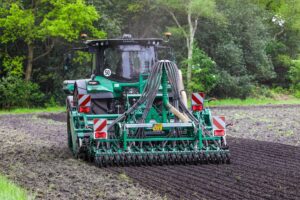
x=127, y=160
x=227, y=158
x=190, y=158
x=167, y=158
x=161, y=159
x=173, y=158
x=149, y=159
x=222, y=158
x=122, y=160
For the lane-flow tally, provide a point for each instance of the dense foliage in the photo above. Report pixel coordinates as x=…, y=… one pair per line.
x=17, y=92
x=228, y=48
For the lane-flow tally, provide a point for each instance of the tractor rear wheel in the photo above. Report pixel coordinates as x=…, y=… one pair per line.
x=70, y=143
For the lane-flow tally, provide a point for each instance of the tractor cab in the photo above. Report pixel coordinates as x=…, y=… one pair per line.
x=123, y=60
x=120, y=64
x=120, y=68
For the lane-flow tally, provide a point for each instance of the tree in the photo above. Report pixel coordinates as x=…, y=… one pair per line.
x=204, y=72
x=136, y=17
x=45, y=21
x=238, y=47
x=284, y=27
x=192, y=10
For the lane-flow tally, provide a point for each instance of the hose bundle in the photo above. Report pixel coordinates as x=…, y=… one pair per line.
x=151, y=89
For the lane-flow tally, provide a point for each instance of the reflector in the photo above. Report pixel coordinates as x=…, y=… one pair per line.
x=197, y=107
x=100, y=135
x=84, y=109
x=219, y=133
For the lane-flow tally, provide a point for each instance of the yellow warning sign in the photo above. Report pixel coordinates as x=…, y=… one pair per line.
x=157, y=127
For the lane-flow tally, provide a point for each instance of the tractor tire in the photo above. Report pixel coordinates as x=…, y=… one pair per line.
x=70, y=144
x=99, y=106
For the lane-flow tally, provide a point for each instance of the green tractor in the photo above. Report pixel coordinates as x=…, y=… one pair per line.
x=133, y=110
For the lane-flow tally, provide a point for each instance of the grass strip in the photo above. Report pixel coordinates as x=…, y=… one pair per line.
x=252, y=102
x=219, y=102
x=10, y=191
x=33, y=110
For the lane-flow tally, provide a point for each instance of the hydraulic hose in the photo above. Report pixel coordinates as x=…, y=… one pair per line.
x=166, y=104
x=155, y=79
x=181, y=89
x=177, y=113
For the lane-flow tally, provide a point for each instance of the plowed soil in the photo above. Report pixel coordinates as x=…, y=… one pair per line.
x=265, y=152
x=259, y=170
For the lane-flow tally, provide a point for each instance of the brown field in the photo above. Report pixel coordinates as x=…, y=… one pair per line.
x=265, y=155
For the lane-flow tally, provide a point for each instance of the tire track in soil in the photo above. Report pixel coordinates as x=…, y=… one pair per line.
x=255, y=177
x=286, y=168
x=260, y=170
x=250, y=183
x=147, y=180
x=193, y=179
x=174, y=189
x=288, y=172
x=225, y=184
x=268, y=153
x=188, y=184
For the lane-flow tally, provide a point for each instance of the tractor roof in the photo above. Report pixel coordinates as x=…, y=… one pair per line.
x=124, y=41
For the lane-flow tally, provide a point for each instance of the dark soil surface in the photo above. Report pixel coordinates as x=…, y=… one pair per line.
x=259, y=170
x=276, y=123
x=34, y=153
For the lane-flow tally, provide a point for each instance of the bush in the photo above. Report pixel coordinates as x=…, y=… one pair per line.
x=15, y=92
x=13, y=66
x=233, y=86
x=52, y=102
x=297, y=94
x=295, y=74
x=259, y=92
x=204, y=76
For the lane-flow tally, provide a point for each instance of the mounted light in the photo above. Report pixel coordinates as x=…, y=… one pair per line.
x=84, y=109
x=168, y=35
x=219, y=133
x=93, y=83
x=100, y=135
x=197, y=101
x=197, y=107
x=83, y=36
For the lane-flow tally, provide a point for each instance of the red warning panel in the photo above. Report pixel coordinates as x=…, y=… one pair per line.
x=198, y=98
x=219, y=125
x=84, y=100
x=100, y=128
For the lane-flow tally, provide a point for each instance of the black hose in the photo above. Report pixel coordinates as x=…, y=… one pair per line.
x=150, y=91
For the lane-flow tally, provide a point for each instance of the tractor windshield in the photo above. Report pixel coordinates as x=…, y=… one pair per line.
x=127, y=61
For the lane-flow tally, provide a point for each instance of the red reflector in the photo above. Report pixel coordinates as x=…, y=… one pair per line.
x=84, y=109
x=197, y=107
x=219, y=132
x=100, y=135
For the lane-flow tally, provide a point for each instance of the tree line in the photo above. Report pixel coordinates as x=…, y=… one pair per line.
x=227, y=48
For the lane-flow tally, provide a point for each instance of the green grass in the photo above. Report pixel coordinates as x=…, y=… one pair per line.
x=10, y=191
x=220, y=102
x=252, y=101
x=32, y=110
